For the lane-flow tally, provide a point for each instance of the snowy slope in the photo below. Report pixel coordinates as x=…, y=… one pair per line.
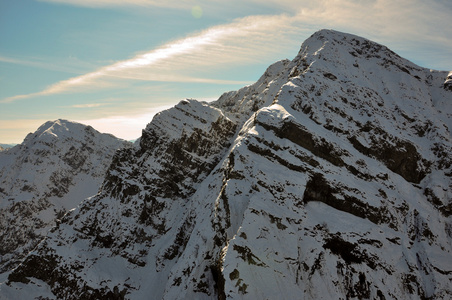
x=329, y=178
x=41, y=179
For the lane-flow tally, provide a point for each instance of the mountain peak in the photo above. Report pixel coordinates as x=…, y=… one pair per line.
x=51, y=130
x=331, y=34
x=325, y=34
x=337, y=37
x=58, y=127
x=344, y=50
x=61, y=129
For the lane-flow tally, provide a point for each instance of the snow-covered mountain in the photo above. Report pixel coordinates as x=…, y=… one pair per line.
x=52, y=171
x=329, y=178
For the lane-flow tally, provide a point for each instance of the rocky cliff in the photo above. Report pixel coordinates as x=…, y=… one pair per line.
x=329, y=178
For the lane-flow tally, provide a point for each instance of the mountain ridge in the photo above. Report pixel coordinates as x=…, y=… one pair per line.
x=329, y=177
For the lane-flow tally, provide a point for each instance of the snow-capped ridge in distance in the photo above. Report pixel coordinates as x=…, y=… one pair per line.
x=7, y=146
x=49, y=173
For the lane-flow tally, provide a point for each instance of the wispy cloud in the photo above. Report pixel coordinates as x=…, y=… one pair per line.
x=390, y=16
x=71, y=65
x=121, y=3
x=89, y=105
x=248, y=40
x=242, y=41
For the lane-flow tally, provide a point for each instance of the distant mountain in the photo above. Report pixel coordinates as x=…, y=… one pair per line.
x=51, y=172
x=6, y=146
x=329, y=178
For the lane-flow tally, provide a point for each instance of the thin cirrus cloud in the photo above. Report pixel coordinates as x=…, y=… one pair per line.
x=71, y=65
x=243, y=40
x=392, y=17
x=122, y=3
x=89, y=105
x=402, y=23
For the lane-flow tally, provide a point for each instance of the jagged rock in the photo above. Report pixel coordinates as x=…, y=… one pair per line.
x=328, y=178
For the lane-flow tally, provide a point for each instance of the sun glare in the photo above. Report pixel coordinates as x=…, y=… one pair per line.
x=196, y=12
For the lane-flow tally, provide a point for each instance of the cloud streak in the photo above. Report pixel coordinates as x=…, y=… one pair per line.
x=89, y=105
x=122, y=3
x=249, y=40
x=242, y=41
x=71, y=65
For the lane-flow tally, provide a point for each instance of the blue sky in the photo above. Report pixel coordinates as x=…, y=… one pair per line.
x=114, y=63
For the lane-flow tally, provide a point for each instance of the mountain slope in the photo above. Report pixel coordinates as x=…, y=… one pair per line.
x=41, y=179
x=330, y=177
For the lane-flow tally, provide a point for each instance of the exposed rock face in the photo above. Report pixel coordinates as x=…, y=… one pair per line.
x=328, y=178
x=448, y=82
x=52, y=171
